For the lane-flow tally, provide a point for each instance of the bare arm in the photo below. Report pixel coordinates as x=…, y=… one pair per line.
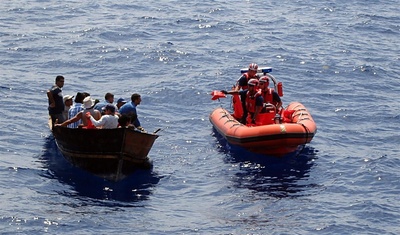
x=76, y=118
x=256, y=112
x=51, y=99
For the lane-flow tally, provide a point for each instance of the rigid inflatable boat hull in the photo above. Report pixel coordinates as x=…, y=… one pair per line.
x=272, y=139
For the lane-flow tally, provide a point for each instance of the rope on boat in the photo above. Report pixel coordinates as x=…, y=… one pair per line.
x=305, y=128
x=226, y=115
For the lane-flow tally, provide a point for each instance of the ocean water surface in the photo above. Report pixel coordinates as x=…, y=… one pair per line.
x=340, y=59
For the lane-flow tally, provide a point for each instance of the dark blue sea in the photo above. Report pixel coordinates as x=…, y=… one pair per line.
x=341, y=59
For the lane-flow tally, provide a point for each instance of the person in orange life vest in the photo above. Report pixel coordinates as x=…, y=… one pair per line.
x=254, y=100
x=242, y=83
x=270, y=96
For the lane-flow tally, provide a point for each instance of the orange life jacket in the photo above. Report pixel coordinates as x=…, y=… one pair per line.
x=268, y=97
x=251, y=101
x=246, y=75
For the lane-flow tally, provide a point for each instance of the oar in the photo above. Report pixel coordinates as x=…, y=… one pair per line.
x=217, y=94
x=155, y=132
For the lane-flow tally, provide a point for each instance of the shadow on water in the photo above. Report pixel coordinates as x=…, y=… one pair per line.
x=136, y=187
x=276, y=177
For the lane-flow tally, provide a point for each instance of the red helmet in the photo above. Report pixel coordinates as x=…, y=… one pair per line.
x=253, y=82
x=264, y=79
x=253, y=67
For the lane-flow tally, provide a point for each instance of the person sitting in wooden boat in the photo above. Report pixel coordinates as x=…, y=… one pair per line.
x=108, y=121
x=88, y=105
x=120, y=102
x=67, y=105
x=271, y=97
x=124, y=120
x=254, y=100
x=242, y=84
x=108, y=99
x=130, y=110
x=75, y=109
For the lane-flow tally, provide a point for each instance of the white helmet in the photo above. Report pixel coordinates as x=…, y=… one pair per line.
x=253, y=67
x=253, y=82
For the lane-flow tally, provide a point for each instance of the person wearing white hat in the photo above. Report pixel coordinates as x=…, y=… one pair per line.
x=67, y=105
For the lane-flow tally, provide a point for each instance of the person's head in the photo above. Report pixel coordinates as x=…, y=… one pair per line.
x=109, y=109
x=263, y=83
x=136, y=99
x=88, y=102
x=79, y=97
x=60, y=81
x=252, y=85
x=109, y=97
x=124, y=120
x=120, y=102
x=253, y=67
x=68, y=100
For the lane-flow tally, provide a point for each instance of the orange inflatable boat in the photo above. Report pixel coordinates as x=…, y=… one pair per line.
x=272, y=136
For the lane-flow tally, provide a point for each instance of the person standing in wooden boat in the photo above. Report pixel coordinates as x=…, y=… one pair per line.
x=271, y=97
x=88, y=105
x=130, y=110
x=56, y=103
x=108, y=121
x=254, y=100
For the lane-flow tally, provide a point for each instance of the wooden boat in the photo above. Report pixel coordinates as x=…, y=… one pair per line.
x=109, y=153
x=271, y=136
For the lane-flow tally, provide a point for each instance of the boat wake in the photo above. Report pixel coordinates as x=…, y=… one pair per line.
x=275, y=176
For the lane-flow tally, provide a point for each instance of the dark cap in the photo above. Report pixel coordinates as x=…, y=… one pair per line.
x=121, y=100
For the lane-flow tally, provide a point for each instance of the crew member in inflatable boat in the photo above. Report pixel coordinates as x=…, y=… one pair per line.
x=242, y=83
x=271, y=97
x=253, y=100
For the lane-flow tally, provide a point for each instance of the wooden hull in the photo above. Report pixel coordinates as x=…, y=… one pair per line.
x=272, y=139
x=109, y=153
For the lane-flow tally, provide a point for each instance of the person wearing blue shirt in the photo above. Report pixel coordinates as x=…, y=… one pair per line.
x=108, y=99
x=75, y=109
x=130, y=110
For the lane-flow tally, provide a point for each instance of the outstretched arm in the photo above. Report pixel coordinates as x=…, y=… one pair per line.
x=76, y=118
x=231, y=92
